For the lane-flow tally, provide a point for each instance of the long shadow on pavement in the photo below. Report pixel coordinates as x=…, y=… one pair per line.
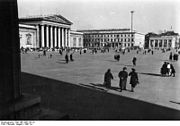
x=151, y=74
x=86, y=103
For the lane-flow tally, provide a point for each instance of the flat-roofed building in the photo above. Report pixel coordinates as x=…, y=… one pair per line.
x=116, y=38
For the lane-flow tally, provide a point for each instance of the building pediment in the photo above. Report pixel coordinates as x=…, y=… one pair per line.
x=51, y=18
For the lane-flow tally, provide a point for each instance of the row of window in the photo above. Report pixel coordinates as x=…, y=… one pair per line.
x=109, y=35
x=111, y=45
x=110, y=40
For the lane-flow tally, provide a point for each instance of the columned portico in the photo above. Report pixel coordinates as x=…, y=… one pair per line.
x=53, y=30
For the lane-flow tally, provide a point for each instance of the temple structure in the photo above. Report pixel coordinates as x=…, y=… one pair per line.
x=51, y=31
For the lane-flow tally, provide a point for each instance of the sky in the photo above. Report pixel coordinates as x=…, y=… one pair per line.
x=149, y=15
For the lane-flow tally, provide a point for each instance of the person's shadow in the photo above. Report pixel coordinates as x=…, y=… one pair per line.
x=111, y=88
x=151, y=74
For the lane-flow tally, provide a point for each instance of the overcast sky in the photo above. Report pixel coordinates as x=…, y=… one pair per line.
x=149, y=15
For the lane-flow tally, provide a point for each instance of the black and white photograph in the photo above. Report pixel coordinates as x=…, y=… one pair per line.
x=89, y=60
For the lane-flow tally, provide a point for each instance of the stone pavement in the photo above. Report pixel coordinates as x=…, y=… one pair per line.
x=89, y=69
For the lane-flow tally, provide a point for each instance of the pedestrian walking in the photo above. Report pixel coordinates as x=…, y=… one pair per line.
x=60, y=51
x=44, y=52
x=170, y=56
x=71, y=57
x=66, y=58
x=164, y=69
x=123, y=75
x=107, y=78
x=152, y=52
x=118, y=57
x=134, y=61
x=172, y=71
x=133, y=79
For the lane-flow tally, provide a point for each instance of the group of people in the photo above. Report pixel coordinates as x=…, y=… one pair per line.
x=167, y=69
x=123, y=75
x=173, y=57
x=117, y=57
x=69, y=57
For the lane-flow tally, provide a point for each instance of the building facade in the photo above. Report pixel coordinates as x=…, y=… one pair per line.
x=28, y=36
x=76, y=39
x=165, y=40
x=53, y=31
x=116, y=38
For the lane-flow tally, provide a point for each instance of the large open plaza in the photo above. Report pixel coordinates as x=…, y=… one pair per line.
x=87, y=71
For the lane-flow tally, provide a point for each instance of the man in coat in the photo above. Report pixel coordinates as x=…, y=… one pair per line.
x=123, y=79
x=134, y=79
x=107, y=78
x=134, y=61
x=66, y=58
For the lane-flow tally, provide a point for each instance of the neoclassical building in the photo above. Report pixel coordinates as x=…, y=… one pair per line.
x=165, y=40
x=52, y=31
x=116, y=38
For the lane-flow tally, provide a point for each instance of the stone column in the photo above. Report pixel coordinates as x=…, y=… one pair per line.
x=59, y=37
x=51, y=34
x=68, y=37
x=162, y=44
x=37, y=36
x=10, y=68
x=55, y=37
x=154, y=44
x=42, y=35
x=150, y=44
x=47, y=35
x=65, y=37
x=62, y=37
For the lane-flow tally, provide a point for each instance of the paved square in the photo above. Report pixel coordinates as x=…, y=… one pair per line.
x=87, y=69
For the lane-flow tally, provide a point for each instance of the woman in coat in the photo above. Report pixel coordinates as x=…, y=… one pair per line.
x=107, y=78
x=133, y=79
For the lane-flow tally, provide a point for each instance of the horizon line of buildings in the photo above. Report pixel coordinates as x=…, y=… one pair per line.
x=54, y=31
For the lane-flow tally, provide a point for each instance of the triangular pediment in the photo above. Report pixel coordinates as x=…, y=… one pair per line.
x=57, y=18
x=51, y=18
